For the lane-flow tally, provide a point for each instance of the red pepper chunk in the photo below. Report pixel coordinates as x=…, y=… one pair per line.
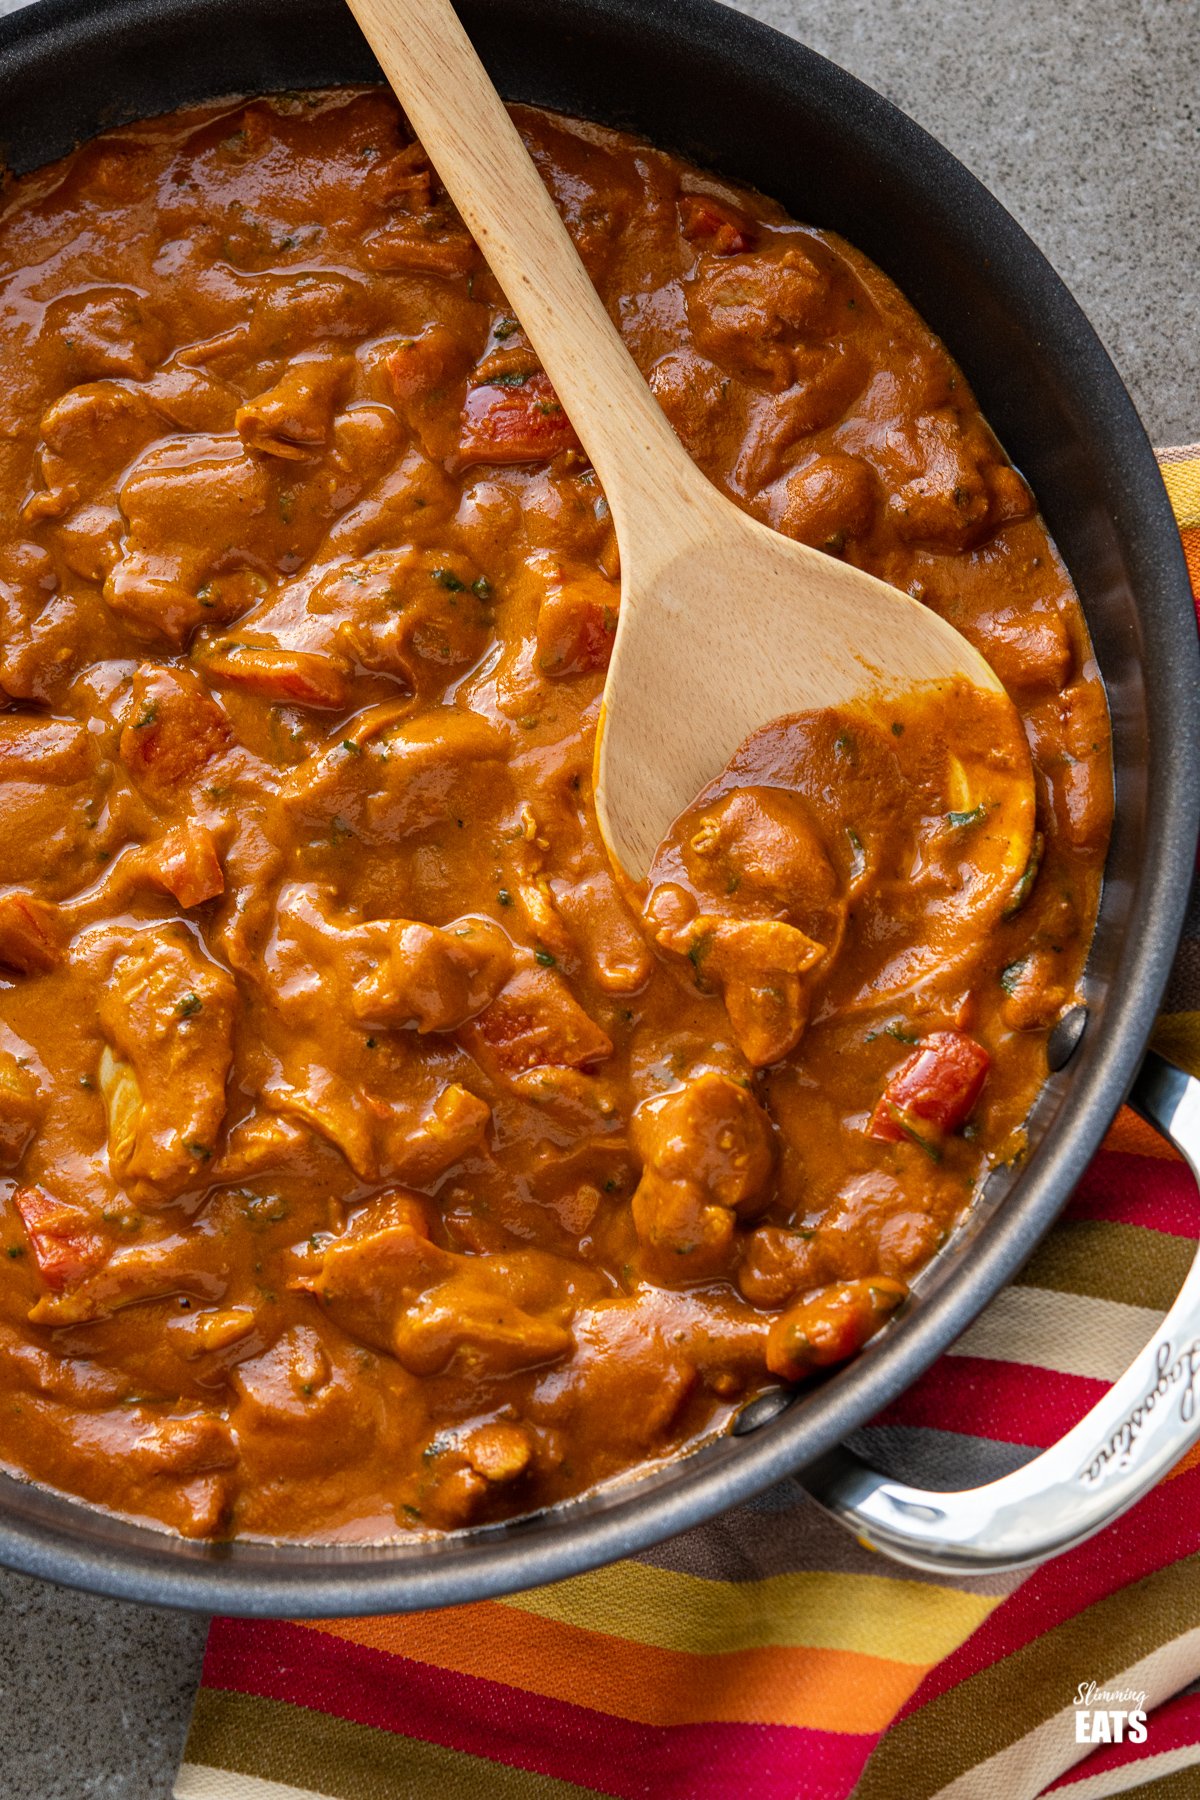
x=721, y=230
x=65, y=1244
x=933, y=1093
x=518, y=424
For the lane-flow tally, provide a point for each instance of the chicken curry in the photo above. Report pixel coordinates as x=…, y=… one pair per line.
x=373, y=1160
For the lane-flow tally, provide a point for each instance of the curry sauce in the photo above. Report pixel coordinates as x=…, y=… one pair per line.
x=373, y=1160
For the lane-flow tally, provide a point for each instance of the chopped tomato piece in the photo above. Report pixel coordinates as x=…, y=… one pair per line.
x=425, y=363
x=173, y=728
x=521, y=423
x=28, y=933
x=65, y=1243
x=577, y=622
x=295, y=677
x=536, y=1022
x=186, y=864
x=934, y=1092
x=830, y=1325
x=722, y=230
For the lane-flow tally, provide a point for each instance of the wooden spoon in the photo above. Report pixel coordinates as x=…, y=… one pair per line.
x=724, y=624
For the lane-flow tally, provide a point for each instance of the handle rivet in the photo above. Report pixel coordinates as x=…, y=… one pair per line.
x=760, y=1412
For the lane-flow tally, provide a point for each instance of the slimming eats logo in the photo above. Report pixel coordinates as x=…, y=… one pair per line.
x=1109, y=1715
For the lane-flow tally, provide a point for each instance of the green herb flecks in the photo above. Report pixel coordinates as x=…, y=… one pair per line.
x=1010, y=978
x=959, y=820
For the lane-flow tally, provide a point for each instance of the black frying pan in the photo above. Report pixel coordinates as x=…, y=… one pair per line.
x=751, y=104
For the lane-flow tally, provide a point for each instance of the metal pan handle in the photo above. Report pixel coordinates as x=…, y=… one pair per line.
x=1128, y=1441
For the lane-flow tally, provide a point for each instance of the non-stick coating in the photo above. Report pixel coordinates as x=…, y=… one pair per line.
x=733, y=95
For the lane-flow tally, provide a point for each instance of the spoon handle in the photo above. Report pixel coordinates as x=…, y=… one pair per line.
x=478, y=154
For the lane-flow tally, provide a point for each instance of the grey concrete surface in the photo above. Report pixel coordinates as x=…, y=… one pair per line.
x=1084, y=117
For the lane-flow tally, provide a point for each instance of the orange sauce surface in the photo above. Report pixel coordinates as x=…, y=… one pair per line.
x=371, y=1161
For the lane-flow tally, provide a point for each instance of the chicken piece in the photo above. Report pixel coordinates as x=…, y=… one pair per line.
x=408, y=613
x=173, y=730
x=329, y=1106
x=434, y=979
x=712, y=1131
x=460, y=1470
x=104, y=331
x=53, y=787
x=387, y=1285
x=1072, y=736
x=302, y=1402
x=759, y=850
x=37, y=624
x=67, y=1241
x=577, y=623
x=263, y=1141
x=780, y=1262
x=830, y=501
x=21, y=1107
x=1027, y=649
x=387, y=781
x=605, y=931
x=180, y=1469
x=514, y=421
x=831, y=1325
x=538, y=903
x=289, y=677
x=49, y=752
x=293, y=312
x=708, y=1150
x=535, y=1021
x=180, y=498
x=129, y=1277
x=292, y=419
x=168, y=1016
x=1035, y=992
x=88, y=541
x=192, y=399
x=423, y=371
x=91, y=433
x=637, y=1360
x=761, y=968
x=874, y=1227
x=935, y=472
x=695, y=397
x=424, y=245
x=323, y=967
x=747, y=315
x=188, y=1445
x=454, y=1126
x=498, y=1450
x=402, y=181
x=214, y=1330
x=31, y=933
x=390, y=973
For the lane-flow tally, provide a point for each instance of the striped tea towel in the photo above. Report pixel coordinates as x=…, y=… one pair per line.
x=767, y=1656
